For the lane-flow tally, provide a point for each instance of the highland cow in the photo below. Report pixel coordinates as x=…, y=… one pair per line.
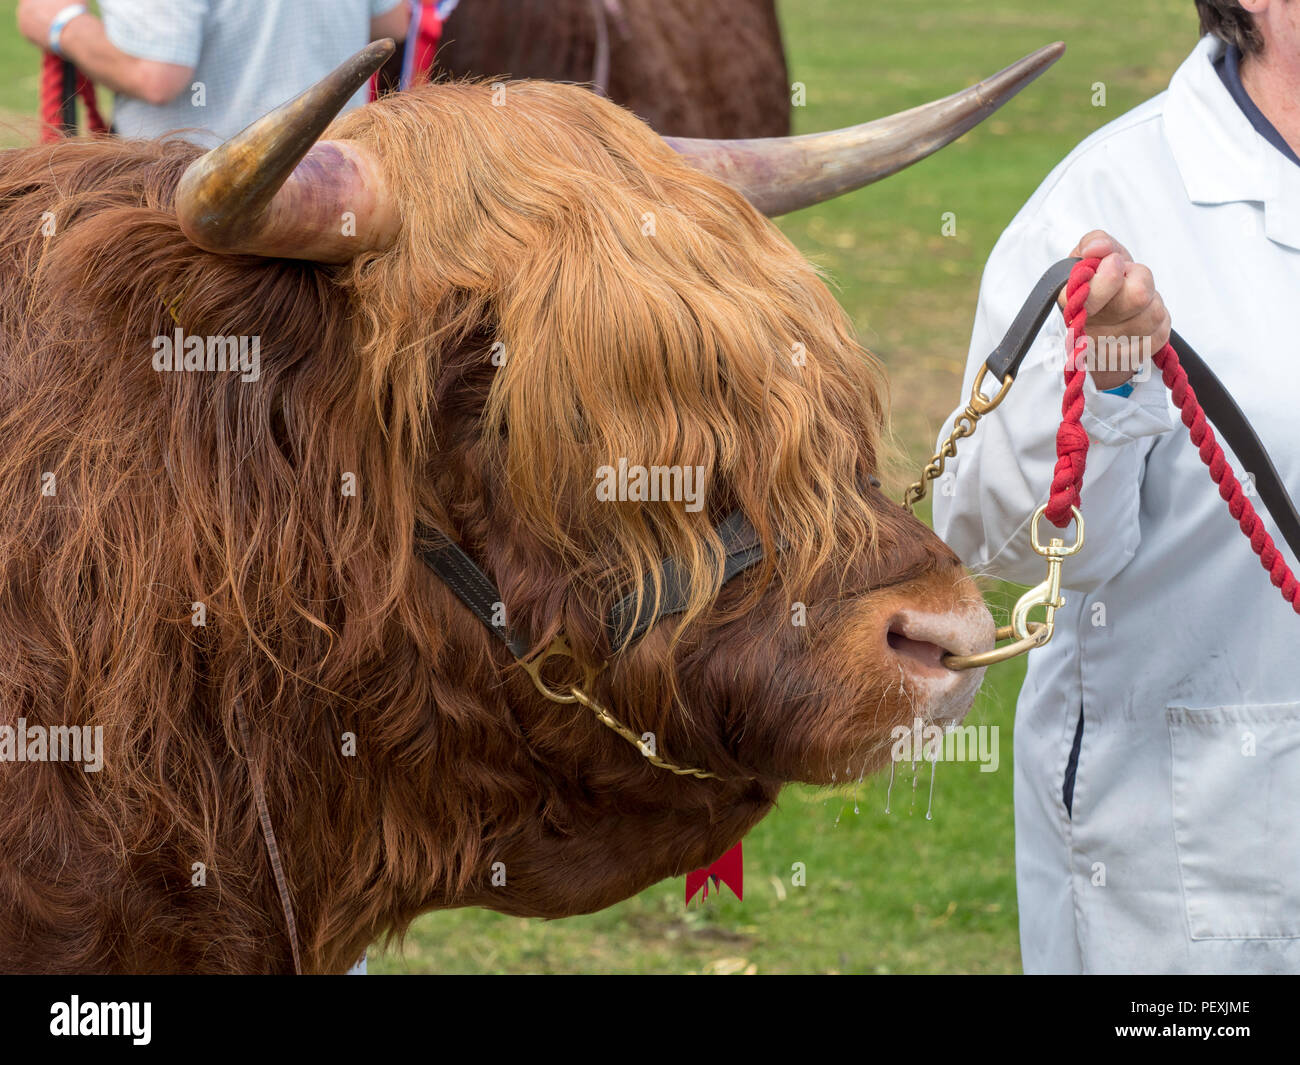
x=465, y=309
x=690, y=68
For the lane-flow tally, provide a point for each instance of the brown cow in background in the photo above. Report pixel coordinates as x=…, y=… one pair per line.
x=690, y=68
x=218, y=570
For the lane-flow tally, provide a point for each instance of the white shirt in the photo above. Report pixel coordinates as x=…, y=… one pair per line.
x=1182, y=853
x=249, y=56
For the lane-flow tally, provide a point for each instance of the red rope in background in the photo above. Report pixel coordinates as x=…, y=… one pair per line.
x=53, y=127
x=1072, y=440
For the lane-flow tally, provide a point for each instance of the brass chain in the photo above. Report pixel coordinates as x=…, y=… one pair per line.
x=964, y=426
x=609, y=721
x=577, y=693
x=1030, y=634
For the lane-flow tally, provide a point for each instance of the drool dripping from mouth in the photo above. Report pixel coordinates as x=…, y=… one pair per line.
x=929, y=808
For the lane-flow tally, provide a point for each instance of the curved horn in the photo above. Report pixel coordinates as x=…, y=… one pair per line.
x=782, y=174
x=272, y=190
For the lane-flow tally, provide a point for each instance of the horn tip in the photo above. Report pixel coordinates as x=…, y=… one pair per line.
x=1044, y=57
x=381, y=50
x=1006, y=83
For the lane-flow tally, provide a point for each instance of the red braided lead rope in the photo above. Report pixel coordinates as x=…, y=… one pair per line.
x=51, y=100
x=1071, y=437
x=1072, y=440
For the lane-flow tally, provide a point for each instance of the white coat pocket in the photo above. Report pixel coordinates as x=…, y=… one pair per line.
x=1236, y=806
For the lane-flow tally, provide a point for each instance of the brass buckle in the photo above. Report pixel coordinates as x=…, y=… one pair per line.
x=1030, y=634
x=559, y=648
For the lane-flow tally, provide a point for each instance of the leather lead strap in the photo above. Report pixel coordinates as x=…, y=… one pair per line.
x=1237, y=432
x=1006, y=358
x=268, y=834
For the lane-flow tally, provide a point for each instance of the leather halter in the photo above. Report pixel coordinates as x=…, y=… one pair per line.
x=629, y=619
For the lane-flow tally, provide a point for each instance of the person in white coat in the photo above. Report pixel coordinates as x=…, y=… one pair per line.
x=1157, y=739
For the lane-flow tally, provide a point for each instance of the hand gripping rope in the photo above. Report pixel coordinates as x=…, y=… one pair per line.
x=1072, y=441
x=1179, y=365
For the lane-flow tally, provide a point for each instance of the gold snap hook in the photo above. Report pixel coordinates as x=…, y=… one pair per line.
x=1057, y=547
x=981, y=404
x=1048, y=593
x=1030, y=634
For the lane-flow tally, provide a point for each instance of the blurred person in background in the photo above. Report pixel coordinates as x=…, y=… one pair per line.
x=209, y=67
x=1157, y=738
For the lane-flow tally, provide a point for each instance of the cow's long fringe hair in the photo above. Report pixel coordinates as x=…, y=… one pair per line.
x=177, y=545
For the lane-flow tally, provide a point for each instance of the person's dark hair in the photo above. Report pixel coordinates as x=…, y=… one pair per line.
x=1229, y=21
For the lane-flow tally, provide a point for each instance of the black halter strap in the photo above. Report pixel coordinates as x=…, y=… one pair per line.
x=625, y=623
x=472, y=586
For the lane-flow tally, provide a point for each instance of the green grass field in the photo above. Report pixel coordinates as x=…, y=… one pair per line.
x=892, y=893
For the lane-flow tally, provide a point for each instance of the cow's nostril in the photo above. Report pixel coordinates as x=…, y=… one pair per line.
x=922, y=653
x=916, y=638
x=922, y=638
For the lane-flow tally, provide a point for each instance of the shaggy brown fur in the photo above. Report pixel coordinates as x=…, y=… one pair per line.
x=181, y=488
x=691, y=68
